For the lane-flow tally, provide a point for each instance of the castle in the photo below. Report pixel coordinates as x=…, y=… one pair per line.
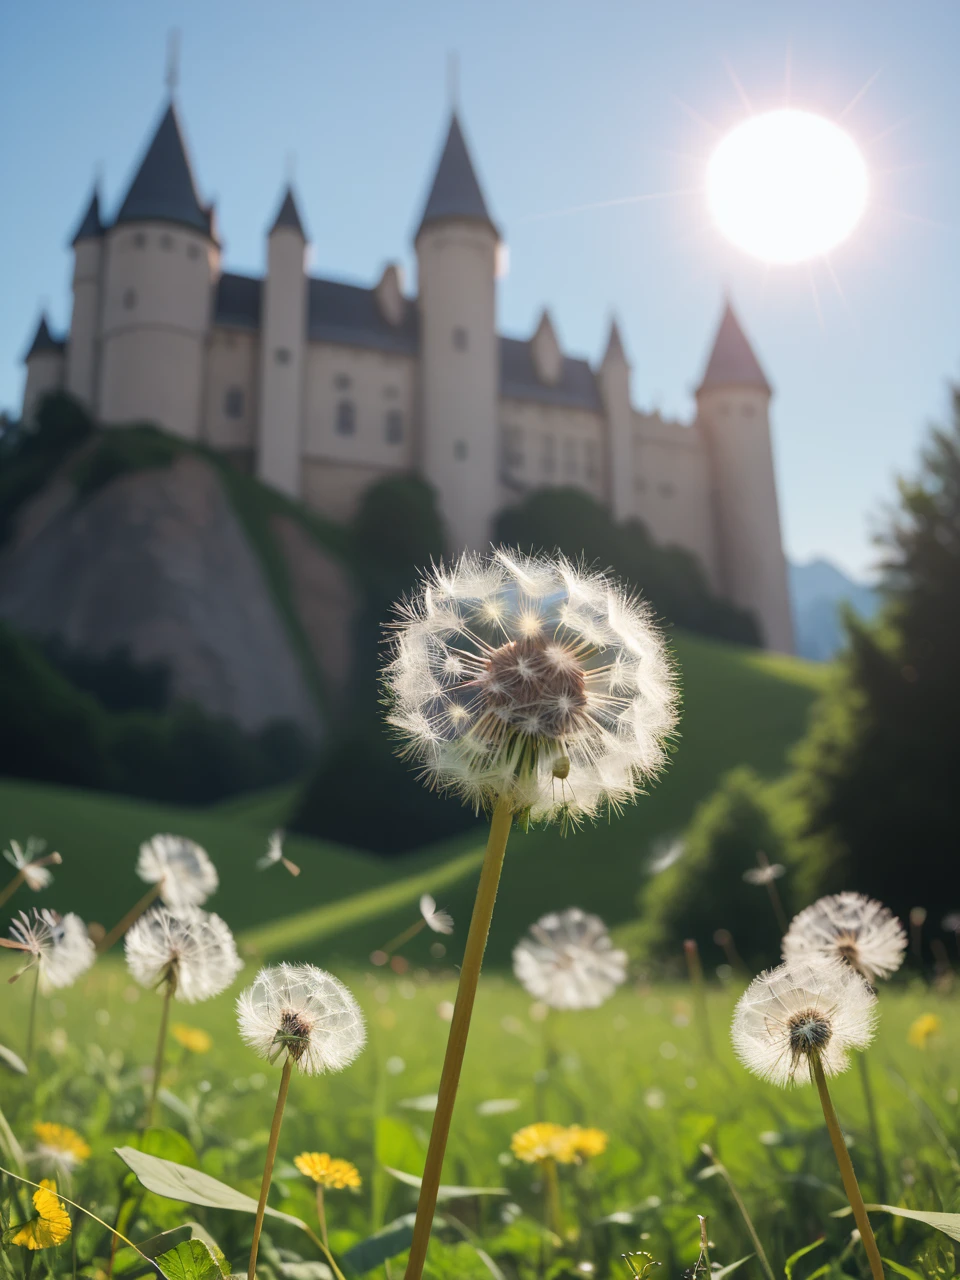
x=322, y=388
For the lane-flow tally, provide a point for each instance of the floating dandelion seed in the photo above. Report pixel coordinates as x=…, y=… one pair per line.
x=51, y=1226
x=438, y=921
x=766, y=874
x=31, y=867
x=180, y=868
x=275, y=854
x=304, y=1011
x=60, y=1148
x=569, y=961
x=59, y=946
x=192, y=951
x=853, y=928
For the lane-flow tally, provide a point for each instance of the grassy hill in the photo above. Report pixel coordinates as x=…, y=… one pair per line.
x=740, y=707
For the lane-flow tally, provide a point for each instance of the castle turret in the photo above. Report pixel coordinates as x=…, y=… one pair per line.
x=456, y=247
x=44, y=361
x=733, y=403
x=613, y=378
x=84, y=340
x=161, y=263
x=282, y=351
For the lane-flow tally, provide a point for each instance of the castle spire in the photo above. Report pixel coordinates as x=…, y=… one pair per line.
x=43, y=339
x=163, y=189
x=455, y=192
x=90, y=226
x=732, y=361
x=288, y=215
x=615, y=350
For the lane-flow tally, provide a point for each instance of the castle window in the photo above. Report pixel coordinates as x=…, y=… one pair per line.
x=591, y=451
x=129, y=299
x=346, y=418
x=460, y=450
x=513, y=455
x=570, y=458
x=139, y=240
x=193, y=251
x=282, y=355
x=393, y=426
x=342, y=381
x=549, y=458
x=233, y=402
x=460, y=338
x=166, y=241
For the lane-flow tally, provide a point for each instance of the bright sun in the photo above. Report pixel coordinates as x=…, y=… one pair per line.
x=787, y=185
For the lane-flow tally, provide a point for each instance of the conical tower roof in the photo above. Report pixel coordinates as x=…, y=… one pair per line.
x=455, y=192
x=732, y=362
x=43, y=340
x=163, y=189
x=90, y=226
x=288, y=215
x=614, y=349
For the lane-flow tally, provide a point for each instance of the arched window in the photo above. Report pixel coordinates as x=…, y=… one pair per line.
x=393, y=426
x=233, y=402
x=346, y=418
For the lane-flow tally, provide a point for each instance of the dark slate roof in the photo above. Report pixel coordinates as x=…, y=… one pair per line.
x=455, y=192
x=289, y=215
x=163, y=188
x=44, y=341
x=732, y=362
x=90, y=228
x=238, y=301
x=577, y=388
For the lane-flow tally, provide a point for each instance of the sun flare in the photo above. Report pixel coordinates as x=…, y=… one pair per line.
x=786, y=186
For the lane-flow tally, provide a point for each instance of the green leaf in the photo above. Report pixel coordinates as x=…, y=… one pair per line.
x=128, y=1259
x=10, y=1147
x=12, y=1060
x=731, y=1268
x=901, y=1270
x=445, y=1193
x=177, y=1182
x=794, y=1258
x=396, y=1144
x=376, y=1250
x=191, y=1260
x=948, y=1223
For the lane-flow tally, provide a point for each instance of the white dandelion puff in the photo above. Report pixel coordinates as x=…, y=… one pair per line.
x=438, y=921
x=568, y=961
x=853, y=928
x=28, y=861
x=530, y=680
x=59, y=946
x=180, y=868
x=809, y=1006
x=765, y=874
x=304, y=1011
x=192, y=949
x=275, y=854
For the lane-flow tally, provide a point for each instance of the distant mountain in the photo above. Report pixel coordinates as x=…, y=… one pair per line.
x=818, y=591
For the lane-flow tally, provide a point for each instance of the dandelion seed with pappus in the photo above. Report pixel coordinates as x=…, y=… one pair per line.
x=32, y=869
x=59, y=951
x=853, y=928
x=181, y=874
x=530, y=687
x=569, y=961
x=275, y=855
x=307, y=1017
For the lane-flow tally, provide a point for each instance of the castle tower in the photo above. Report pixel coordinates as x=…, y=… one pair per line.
x=161, y=262
x=613, y=378
x=456, y=247
x=282, y=352
x=733, y=403
x=44, y=362
x=83, y=345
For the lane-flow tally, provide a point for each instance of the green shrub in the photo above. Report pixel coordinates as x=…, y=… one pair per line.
x=121, y=451
x=34, y=452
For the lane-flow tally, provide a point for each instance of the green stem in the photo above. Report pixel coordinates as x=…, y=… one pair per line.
x=11, y=888
x=695, y=970
x=396, y=943
x=748, y=1221
x=168, y=987
x=324, y=1239
x=850, y=1184
x=32, y=1022
x=551, y=1186
x=459, y=1029
x=881, y=1167
x=132, y=916
x=268, y=1165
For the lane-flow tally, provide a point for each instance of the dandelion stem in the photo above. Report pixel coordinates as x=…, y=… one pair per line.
x=132, y=916
x=695, y=970
x=881, y=1167
x=748, y=1221
x=850, y=1184
x=324, y=1240
x=396, y=943
x=268, y=1165
x=168, y=988
x=459, y=1029
x=32, y=1022
x=11, y=888
x=551, y=1188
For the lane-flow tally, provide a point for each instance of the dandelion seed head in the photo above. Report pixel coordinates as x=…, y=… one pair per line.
x=855, y=928
x=59, y=945
x=502, y=664
x=180, y=867
x=191, y=948
x=810, y=1006
x=305, y=1012
x=568, y=961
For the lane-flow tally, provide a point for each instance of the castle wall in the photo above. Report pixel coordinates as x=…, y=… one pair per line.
x=231, y=390
x=548, y=446
x=44, y=374
x=83, y=345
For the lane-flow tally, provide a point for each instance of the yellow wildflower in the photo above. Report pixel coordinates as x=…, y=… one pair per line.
x=51, y=1226
x=192, y=1038
x=60, y=1144
x=542, y=1141
x=587, y=1142
x=927, y=1025
x=327, y=1171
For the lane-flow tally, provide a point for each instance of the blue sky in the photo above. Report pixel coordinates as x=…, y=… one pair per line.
x=565, y=105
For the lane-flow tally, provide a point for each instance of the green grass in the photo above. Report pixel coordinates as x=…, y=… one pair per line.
x=635, y=1067
x=741, y=707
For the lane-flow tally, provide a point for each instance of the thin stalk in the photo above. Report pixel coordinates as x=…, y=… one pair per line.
x=704, y=1244
x=132, y=916
x=11, y=888
x=850, y=1184
x=748, y=1221
x=459, y=1029
x=881, y=1167
x=777, y=904
x=396, y=943
x=32, y=1021
x=322, y=1218
x=695, y=970
x=268, y=1165
x=168, y=988
x=551, y=1195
